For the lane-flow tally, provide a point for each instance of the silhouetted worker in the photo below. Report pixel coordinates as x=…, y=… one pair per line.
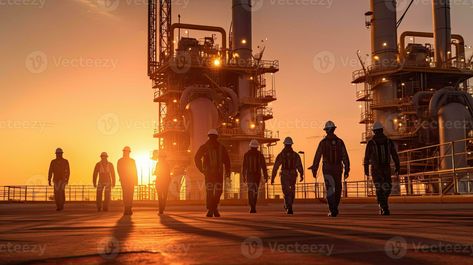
x=59, y=173
x=210, y=160
x=126, y=167
x=106, y=181
x=335, y=158
x=379, y=151
x=253, y=164
x=163, y=179
x=291, y=164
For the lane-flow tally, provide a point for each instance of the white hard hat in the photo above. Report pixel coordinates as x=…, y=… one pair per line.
x=104, y=154
x=288, y=141
x=329, y=125
x=126, y=149
x=254, y=144
x=377, y=126
x=212, y=132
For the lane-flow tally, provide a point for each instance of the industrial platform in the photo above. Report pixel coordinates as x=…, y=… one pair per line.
x=414, y=234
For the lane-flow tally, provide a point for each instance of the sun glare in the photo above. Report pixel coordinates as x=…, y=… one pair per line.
x=145, y=167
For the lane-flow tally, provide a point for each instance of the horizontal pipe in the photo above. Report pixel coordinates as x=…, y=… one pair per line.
x=202, y=28
x=404, y=35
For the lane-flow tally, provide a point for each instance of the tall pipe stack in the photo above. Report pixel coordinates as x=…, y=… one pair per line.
x=442, y=31
x=384, y=55
x=242, y=45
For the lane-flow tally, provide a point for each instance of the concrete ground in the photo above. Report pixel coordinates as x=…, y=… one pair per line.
x=414, y=234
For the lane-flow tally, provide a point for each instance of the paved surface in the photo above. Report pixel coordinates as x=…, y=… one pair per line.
x=414, y=234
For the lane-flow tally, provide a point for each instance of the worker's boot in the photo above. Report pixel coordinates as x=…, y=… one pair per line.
x=216, y=213
x=289, y=210
x=210, y=213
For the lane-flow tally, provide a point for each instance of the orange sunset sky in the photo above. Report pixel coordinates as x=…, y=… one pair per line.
x=89, y=92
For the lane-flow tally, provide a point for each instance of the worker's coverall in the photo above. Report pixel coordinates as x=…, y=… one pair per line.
x=379, y=151
x=163, y=180
x=254, y=165
x=210, y=160
x=106, y=180
x=291, y=164
x=59, y=172
x=126, y=167
x=335, y=157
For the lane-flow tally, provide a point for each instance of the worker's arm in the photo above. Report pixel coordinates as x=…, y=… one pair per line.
x=112, y=173
x=299, y=166
x=276, y=166
x=366, y=161
x=346, y=160
x=395, y=156
x=244, y=167
x=226, y=162
x=68, y=172
x=50, y=172
x=264, y=167
x=198, y=159
x=95, y=174
x=317, y=158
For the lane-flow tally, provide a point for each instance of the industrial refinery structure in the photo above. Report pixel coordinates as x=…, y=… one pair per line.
x=417, y=87
x=210, y=80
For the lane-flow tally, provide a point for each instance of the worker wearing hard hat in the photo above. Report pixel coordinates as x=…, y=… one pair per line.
x=291, y=163
x=163, y=180
x=59, y=173
x=211, y=159
x=254, y=165
x=379, y=151
x=106, y=181
x=335, y=160
x=127, y=172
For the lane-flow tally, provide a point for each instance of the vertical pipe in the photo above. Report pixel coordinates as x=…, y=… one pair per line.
x=384, y=55
x=442, y=31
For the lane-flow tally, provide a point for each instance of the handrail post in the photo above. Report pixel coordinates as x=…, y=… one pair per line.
x=455, y=183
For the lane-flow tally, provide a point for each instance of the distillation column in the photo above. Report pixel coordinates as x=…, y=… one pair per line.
x=442, y=31
x=384, y=55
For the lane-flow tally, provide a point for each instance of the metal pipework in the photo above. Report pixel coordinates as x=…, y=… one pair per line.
x=442, y=31
x=202, y=28
x=384, y=33
x=460, y=45
x=242, y=28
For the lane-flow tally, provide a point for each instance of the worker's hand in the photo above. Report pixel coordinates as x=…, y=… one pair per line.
x=95, y=185
x=49, y=183
x=346, y=175
x=265, y=180
x=272, y=182
x=301, y=179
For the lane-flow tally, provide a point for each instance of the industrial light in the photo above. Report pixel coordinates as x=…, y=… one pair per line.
x=217, y=62
x=174, y=143
x=175, y=101
x=385, y=44
x=252, y=126
x=243, y=41
x=188, y=150
x=376, y=57
x=174, y=120
x=384, y=79
x=237, y=120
